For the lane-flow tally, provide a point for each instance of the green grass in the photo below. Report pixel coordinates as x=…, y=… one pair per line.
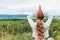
x=24, y=36
x=19, y=29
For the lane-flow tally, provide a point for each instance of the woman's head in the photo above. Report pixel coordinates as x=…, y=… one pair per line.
x=40, y=14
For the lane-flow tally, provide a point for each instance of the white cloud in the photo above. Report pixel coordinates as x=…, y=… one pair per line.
x=27, y=6
x=8, y=8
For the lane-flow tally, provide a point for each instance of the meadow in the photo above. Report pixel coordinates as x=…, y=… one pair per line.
x=19, y=29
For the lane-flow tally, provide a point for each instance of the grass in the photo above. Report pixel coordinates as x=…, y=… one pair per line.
x=19, y=29
x=24, y=36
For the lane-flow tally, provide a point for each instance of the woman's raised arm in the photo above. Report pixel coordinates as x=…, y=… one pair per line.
x=48, y=22
x=29, y=17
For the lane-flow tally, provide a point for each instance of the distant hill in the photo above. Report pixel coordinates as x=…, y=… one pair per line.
x=19, y=16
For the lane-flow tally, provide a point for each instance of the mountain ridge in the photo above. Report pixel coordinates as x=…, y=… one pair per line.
x=19, y=16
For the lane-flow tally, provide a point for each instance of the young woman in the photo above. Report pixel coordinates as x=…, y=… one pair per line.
x=40, y=29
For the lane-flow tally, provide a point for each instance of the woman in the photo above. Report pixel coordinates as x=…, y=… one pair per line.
x=40, y=29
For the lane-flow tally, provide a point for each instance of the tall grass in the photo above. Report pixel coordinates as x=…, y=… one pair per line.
x=19, y=29
x=24, y=36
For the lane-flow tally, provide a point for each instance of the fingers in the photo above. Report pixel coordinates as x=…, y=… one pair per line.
x=39, y=7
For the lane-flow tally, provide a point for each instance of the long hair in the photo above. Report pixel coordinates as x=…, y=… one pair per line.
x=39, y=24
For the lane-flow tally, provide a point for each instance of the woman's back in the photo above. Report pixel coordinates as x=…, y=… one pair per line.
x=46, y=25
x=46, y=32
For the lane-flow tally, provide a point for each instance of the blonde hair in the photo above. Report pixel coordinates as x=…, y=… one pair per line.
x=39, y=24
x=40, y=28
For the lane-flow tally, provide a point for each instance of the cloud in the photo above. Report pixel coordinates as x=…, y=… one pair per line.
x=15, y=7
x=27, y=6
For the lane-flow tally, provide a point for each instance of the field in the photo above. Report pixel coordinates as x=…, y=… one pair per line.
x=19, y=29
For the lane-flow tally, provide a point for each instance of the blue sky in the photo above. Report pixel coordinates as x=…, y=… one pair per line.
x=29, y=6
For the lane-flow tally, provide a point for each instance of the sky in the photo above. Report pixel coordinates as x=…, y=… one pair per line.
x=29, y=6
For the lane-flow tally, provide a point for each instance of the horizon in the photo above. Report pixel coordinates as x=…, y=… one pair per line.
x=23, y=16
